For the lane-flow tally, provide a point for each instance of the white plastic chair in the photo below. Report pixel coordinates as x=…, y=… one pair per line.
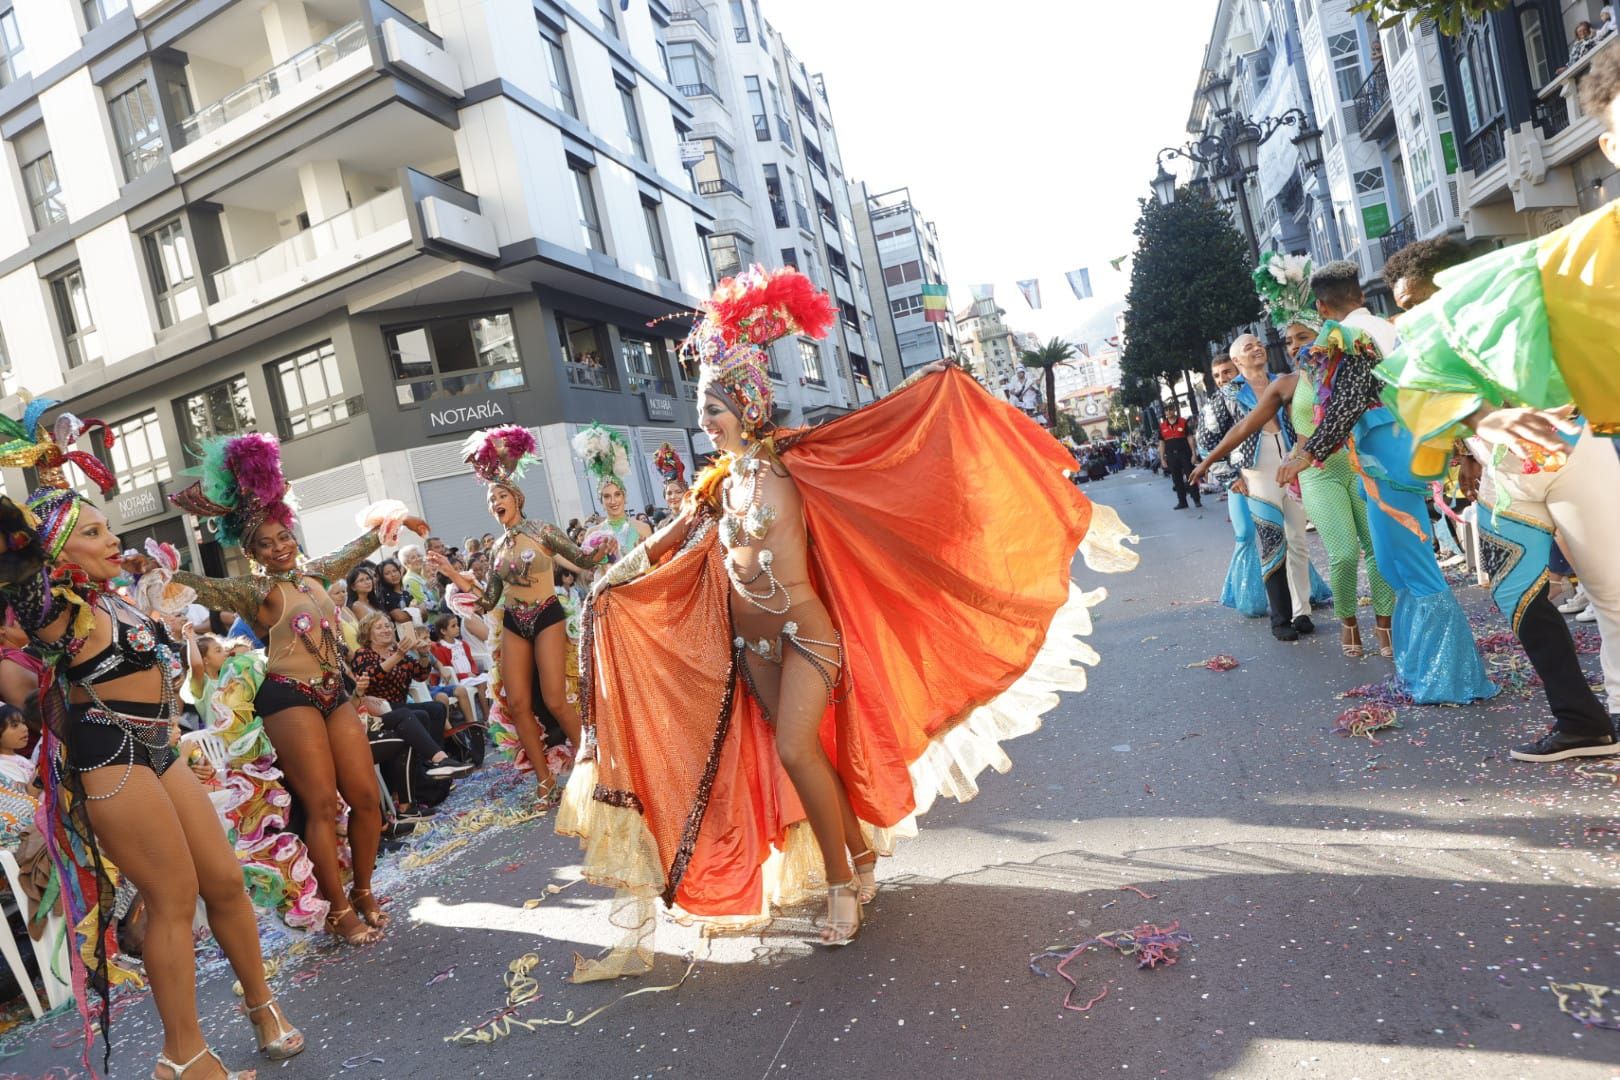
x=57, y=990
x=210, y=744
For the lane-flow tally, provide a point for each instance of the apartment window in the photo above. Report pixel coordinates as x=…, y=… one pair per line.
x=739, y=20
x=13, y=60
x=138, y=457
x=906, y=305
x=901, y=232
x=1368, y=181
x=1330, y=133
x=708, y=257
x=173, y=273
x=759, y=21
x=453, y=357
x=610, y=22
x=97, y=12
x=1535, y=47
x=138, y=130
x=585, y=355
x=590, y=219
x=810, y=360
x=901, y=273
x=309, y=389
x=773, y=193
x=562, y=83
x=1398, y=43
x=655, y=237
x=756, y=107
x=717, y=172
x=810, y=269
x=44, y=191
x=730, y=254
x=73, y=315
x=1346, y=54
x=645, y=366
x=632, y=120
x=1437, y=100
x=692, y=69
x=222, y=409
x=1477, y=73
x=790, y=257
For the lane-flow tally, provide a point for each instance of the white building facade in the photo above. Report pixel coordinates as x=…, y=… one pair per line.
x=773, y=177
x=370, y=228
x=902, y=254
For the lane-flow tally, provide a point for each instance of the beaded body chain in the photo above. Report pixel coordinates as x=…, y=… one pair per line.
x=324, y=648
x=739, y=528
x=151, y=732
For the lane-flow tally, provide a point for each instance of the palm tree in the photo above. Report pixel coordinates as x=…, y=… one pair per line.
x=1047, y=357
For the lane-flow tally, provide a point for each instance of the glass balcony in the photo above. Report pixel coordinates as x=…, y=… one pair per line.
x=295, y=70
x=322, y=249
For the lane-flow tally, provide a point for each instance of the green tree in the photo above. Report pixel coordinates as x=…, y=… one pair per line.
x=1448, y=15
x=1190, y=285
x=1048, y=357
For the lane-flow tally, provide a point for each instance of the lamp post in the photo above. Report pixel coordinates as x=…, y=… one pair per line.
x=1229, y=153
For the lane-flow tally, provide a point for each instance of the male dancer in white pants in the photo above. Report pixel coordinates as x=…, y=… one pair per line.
x=1279, y=518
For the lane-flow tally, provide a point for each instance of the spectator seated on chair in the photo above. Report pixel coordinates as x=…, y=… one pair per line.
x=385, y=667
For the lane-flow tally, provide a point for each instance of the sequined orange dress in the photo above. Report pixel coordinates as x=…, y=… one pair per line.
x=942, y=530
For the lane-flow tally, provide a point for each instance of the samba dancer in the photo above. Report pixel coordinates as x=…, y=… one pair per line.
x=320, y=741
x=533, y=644
x=110, y=698
x=748, y=626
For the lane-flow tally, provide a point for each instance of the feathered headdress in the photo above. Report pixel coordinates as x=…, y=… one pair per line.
x=739, y=322
x=30, y=444
x=241, y=487
x=498, y=455
x=1284, y=285
x=669, y=464
x=605, y=453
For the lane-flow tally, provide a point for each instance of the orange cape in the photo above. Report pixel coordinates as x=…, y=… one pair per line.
x=942, y=531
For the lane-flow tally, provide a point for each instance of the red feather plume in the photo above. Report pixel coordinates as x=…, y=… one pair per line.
x=786, y=294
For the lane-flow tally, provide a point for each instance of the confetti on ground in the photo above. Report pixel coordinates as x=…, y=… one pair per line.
x=1386, y=692
x=503, y=1023
x=1137, y=889
x=1218, y=662
x=1362, y=721
x=1151, y=945
x=442, y=976
x=1583, y=1002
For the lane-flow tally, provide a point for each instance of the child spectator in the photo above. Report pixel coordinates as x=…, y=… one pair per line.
x=16, y=768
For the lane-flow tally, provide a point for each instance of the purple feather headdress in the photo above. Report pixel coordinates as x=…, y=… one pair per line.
x=499, y=455
x=241, y=487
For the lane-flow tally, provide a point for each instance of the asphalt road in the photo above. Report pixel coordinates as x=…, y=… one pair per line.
x=1356, y=910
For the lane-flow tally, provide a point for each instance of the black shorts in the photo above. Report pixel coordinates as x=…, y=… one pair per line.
x=279, y=692
x=527, y=619
x=96, y=743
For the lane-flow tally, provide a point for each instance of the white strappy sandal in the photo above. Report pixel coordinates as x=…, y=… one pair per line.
x=178, y=1072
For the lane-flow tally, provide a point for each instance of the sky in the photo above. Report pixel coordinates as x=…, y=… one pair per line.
x=1026, y=129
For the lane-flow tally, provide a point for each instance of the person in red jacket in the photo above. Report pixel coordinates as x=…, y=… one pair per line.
x=1176, y=454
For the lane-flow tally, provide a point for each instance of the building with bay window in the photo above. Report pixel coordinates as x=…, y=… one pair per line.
x=901, y=248
x=368, y=227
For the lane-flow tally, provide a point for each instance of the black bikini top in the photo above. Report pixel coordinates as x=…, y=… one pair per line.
x=133, y=649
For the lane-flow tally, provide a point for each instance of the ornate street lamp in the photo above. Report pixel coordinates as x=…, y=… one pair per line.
x=1164, y=186
x=1218, y=92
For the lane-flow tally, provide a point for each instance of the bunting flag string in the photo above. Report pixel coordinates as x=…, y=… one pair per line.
x=936, y=303
x=984, y=292
x=1031, y=288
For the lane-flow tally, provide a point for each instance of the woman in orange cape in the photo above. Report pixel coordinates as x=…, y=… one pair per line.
x=938, y=529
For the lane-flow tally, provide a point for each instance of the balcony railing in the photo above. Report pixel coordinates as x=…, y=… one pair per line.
x=651, y=384
x=779, y=213
x=278, y=80
x=1400, y=234
x=784, y=131
x=1372, y=100
x=803, y=215
x=1551, y=115
x=335, y=234
x=762, y=128
x=590, y=376
x=1485, y=149
x=698, y=89
x=719, y=187
x=688, y=11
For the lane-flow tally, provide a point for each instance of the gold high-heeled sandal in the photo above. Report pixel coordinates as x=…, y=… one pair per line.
x=289, y=1041
x=1350, y=642
x=1386, y=641
x=178, y=1072
x=363, y=936
x=377, y=919
x=844, y=930
x=866, y=874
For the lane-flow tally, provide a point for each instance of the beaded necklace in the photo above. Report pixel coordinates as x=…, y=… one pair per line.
x=324, y=648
